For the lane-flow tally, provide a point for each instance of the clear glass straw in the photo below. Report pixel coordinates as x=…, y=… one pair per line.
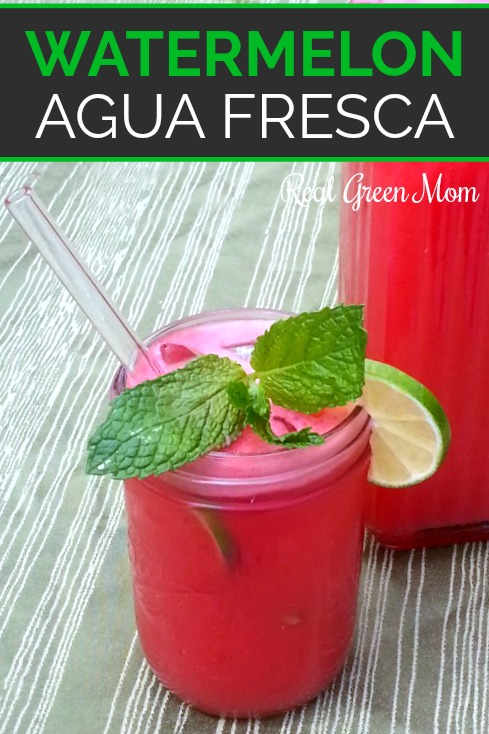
x=54, y=246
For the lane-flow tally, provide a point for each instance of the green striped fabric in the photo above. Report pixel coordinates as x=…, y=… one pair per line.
x=167, y=240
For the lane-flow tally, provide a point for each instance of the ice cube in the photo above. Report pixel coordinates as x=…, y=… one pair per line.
x=176, y=353
x=240, y=351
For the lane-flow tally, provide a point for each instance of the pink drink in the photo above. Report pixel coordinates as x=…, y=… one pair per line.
x=423, y=272
x=246, y=562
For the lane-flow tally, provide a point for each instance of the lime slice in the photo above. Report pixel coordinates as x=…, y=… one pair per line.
x=410, y=433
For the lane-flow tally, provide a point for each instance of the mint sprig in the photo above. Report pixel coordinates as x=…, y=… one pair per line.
x=303, y=363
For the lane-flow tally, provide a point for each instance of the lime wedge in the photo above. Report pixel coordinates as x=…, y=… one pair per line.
x=410, y=432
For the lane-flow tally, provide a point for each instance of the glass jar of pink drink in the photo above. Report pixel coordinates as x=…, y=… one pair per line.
x=246, y=562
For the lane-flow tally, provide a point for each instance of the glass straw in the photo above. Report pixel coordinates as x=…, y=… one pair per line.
x=54, y=246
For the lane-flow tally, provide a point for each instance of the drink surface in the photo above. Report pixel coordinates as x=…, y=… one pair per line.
x=245, y=581
x=422, y=269
x=232, y=339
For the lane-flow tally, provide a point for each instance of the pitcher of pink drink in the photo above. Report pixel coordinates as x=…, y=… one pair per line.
x=417, y=254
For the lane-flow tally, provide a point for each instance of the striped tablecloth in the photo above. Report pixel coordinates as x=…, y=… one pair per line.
x=170, y=239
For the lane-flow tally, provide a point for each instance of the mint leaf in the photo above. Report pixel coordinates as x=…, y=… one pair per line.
x=314, y=360
x=161, y=424
x=252, y=399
